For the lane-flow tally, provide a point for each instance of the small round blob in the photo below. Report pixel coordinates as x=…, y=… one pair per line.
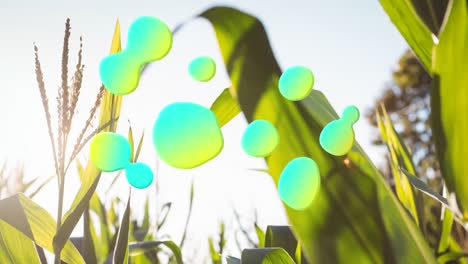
x=109, y=151
x=202, y=68
x=296, y=83
x=186, y=135
x=149, y=39
x=351, y=114
x=139, y=175
x=260, y=138
x=299, y=183
x=337, y=137
x=120, y=73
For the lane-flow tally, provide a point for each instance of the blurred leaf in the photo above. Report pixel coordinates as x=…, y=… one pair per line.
x=283, y=237
x=355, y=217
x=266, y=256
x=450, y=101
x=15, y=247
x=163, y=214
x=109, y=111
x=121, y=247
x=42, y=185
x=260, y=236
x=147, y=246
x=35, y=223
x=215, y=256
x=131, y=142
x=88, y=248
x=233, y=260
x=140, y=144
x=225, y=107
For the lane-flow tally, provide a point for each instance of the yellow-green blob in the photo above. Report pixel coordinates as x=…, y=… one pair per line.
x=139, y=175
x=337, y=137
x=260, y=138
x=109, y=151
x=299, y=183
x=120, y=73
x=149, y=39
x=296, y=83
x=187, y=135
x=202, y=68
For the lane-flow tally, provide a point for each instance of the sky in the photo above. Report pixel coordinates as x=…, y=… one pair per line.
x=351, y=46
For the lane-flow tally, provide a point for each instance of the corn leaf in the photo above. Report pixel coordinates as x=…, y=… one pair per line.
x=266, y=256
x=109, y=110
x=449, y=101
x=120, y=255
x=355, y=217
x=400, y=158
x=404, y=16
x=15, y=247
x=37, y=224
x=142, y=247
x=225, y=107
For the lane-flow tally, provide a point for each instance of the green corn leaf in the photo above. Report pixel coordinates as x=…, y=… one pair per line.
x=142, y=247
x=266, y=256
x=283, y=237
x=225, y=107
x=400, y=157
x=109, y=111
x=37, y=224
x=404, y=16
x=233, y=260
x=446, y=233
x=355, y=217
x=15, y=247
x=449, y=101
x=120, y=255
x=260, y=236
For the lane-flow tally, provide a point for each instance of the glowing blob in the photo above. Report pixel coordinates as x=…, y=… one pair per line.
x=296, y=83
x=139, y=175
x=149, y=39
x=120, y=73
x=299, y=183
x=187, y=135
x=202, y=68
x=337, y=137
x=260, y=138
x=109, y=151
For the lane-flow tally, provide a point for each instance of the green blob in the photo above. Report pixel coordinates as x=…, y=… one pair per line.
x=139, y=175
x=149, y=39
x=337, y=138
x=202, y=68
x=260, y=138
x=296, y=83
x=120, y=73
x=299, y=183
x=109, y=151
x=187, y=135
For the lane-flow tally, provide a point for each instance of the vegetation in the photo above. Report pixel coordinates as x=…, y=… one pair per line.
x=357, y=217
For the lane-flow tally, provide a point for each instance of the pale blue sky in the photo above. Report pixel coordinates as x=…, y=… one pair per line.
x=351, y=46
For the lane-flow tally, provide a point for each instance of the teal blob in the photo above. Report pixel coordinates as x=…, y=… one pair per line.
x=260, y=138
x=120, y=73
x=337, y=137
x=149, y=39
x=299, y=183
x=202, y=68
x=139, y=175
x=296, y=83
x=109, y=151
x=186, y=135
